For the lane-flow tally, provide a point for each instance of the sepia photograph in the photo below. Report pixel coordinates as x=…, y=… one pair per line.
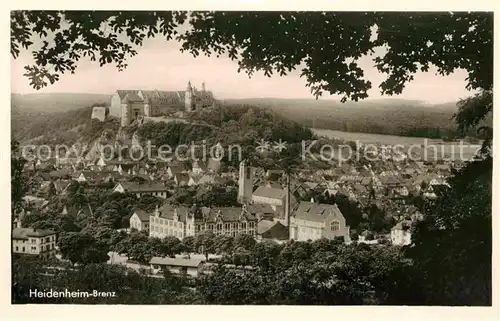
x=297, y=158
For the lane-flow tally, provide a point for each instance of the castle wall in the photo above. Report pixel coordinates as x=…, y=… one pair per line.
x=125, y=114
x=136, y=110
x=115, y=109
x=188, y=101
x=98, y=113
x=166, y=109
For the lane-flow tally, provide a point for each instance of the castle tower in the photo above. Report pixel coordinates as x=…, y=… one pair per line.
x=125, y=106
x=203, y=87
x=245, y=183
x=189, y=97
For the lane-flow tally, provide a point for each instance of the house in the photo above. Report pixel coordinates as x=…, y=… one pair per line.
x=35, y=202
x=74, y=211
x=125, y=168
x=401, y=234
x=153, y=189
x=271, y=230
x=173, y=170
x=366, y=181
x=191, y=267
x=139, y=220
x=90, y=177
x=214, y=165
x=181, y=221
x=261, y=211
x=436, y=190
x=313, y=221
x=32, y=241
x=47, y=190
x=61, y=186
x=199, y=167
x=181, y=179
x=60, y=174
x=209, y=179
x=402, y=190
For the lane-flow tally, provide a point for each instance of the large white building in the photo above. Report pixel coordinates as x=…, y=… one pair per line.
x=313, y=221
x=34, y=241
x=181, y=221
x=132, y=105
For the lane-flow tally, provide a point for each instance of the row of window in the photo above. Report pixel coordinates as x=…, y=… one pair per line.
x=168, y=222
x=164, y=194
x=47, y=247
x=43, y=239
x=233, y=233
x=167, y=231
x=226, y=226
x=201, y=227
x=334, y=226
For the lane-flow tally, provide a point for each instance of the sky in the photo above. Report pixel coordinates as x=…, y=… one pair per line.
x=160, y=65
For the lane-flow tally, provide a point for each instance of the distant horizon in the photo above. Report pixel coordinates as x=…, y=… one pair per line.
x=160, y=64
x=312, y=98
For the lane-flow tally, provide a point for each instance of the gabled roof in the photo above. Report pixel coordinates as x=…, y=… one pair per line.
x=23, y=233
x=164, y=97
x=131, y=97
x=270, y=192
x=403, y=225
x=259, y=208
x=213, y=164
x=123, y=93
x=93, y=175
x=227, y=214
x=62, y=173
x=209, y=179
x=175, y=262
x=143, y=215
x=61, y=185
x=141, y=188
x=167, y=211
x=274, y=230
x=181, y=177
x=316, y=212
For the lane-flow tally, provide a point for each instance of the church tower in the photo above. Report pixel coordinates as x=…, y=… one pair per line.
x=189, y=97
x=245, y=183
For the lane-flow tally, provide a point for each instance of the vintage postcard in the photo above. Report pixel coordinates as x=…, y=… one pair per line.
x=297, y=158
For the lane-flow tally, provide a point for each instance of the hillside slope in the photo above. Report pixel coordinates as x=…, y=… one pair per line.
x=378, y=116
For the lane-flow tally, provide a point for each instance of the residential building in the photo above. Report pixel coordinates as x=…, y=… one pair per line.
x=199, y=167
x=401, y=234
x=153, y=189
x=32, y=241
x=139, y=220
x=182, y=179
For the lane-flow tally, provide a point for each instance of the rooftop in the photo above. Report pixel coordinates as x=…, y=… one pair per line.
x=26, y=232
x=175, y=262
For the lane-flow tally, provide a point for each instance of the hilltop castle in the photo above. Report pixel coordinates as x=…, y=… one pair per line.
x=132, y=105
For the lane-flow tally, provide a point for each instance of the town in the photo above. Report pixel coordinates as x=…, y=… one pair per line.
x=217, y=158
x=374, y=203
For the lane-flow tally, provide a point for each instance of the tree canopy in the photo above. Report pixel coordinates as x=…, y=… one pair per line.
x=325, y=45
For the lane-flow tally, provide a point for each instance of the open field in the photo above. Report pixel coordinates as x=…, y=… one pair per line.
x=443, y=150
